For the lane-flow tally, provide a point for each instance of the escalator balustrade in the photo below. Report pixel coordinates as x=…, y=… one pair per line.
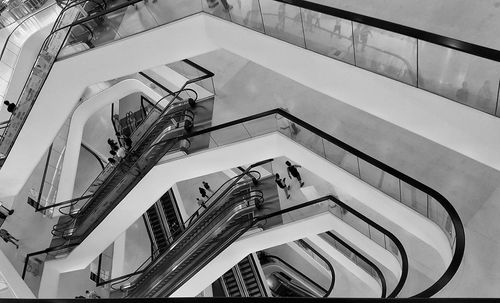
x=243, y=280
x=227, y=217
x=160, y=138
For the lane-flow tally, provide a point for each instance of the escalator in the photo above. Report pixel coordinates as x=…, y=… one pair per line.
x=155, y=225
x=164, y=222
x=159, y=136
x=243, y=280
x=168, y=205
x=229, y=214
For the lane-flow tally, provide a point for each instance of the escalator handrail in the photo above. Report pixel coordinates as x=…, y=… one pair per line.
x=330, y=266
x=208, y=202
x=455, y=218
x=114, y=169
x=304, y=276
x=365, y=259
x=210, y=208
x=44, y=44
x=402, y=251
x=452, y=43
x=229, y=214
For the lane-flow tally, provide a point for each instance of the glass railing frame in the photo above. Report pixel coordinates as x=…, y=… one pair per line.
x=459, y=243
x=45, y=44
x=420, y=35
x=365, y=259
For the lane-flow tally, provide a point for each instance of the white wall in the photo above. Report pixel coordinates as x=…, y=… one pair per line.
x=161, y=178
x=69, y=78
x=18, y=288
x=462, y=129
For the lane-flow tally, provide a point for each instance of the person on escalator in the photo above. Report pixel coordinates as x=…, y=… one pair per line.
x=201, y=203
x=11, y=107
x=203, y=192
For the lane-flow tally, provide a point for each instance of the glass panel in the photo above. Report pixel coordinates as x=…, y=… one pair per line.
x=391, y=246
x=261, y=126
x=377, y=236
x=440, y=216
x=246, y=13
x=386, y=53
x=498, y=99
x=379, y=179
x=356, y=222
x=283, y=21
x=167, y=11
x=217, y=8
x=309, y=140
x=465, y=78
x=414, y=198
x=341, y=158
x=328, y=35
x=230, y=135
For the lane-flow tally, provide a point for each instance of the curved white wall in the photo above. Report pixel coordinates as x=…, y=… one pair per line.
x=78, y=121
x=395, y=216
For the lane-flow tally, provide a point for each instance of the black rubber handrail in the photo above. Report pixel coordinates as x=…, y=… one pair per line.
x=394, y=239
x=47, y=250
x=330, y=266
x=93, y=153
x=302, y=275
x=455, y=218
x=365, y=259
x=54, y=30
x=466, y=47
x=210, y=208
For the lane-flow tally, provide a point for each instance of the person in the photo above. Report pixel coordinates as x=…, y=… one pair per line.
x=121, y=153
x=113, y=144
x=336, y=28
x=112, y=161
x=90, y=294
x=281, y=17
x=484, y=95
x=207, y=187
x=7, y=237
x=201, y=203
x=11, y=107
x=203, y=192
x=127, y=141
x=363, y=36
x=292, y=171
x=463, y=93
x=226, y=5
x=282, y=184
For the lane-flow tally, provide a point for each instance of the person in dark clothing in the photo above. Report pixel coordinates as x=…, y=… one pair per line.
x=281, y=184
x=113, y=144
x=292, y=171
x=201, y=203
x=7, y=237
x=11, y=107
x=127, y=141
x=203, y=192
x=207, y=187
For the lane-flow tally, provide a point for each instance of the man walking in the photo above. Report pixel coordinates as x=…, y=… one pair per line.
x=281, y=184
x=292, y=171
x=7, y=237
